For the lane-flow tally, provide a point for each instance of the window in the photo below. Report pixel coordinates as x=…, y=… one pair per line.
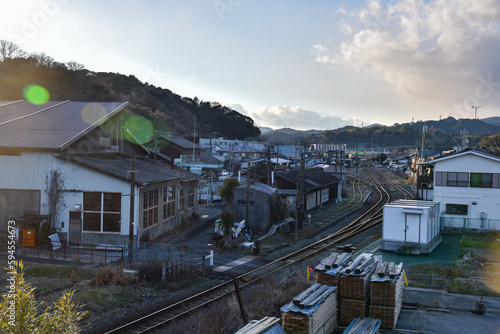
x=182, y=200
x=190, y=194
x=483, y=180
x=456, y=209
x=242, y=202
x=458, y=179
x=102, y=212
x=150, y=211
x=168, y=202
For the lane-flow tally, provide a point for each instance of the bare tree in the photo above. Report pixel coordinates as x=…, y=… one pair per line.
x=74, y=66
x=9, y=50
x=43, y=60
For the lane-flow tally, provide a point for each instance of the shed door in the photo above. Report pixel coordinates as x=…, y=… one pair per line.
x=75, y=228
x=412, y=230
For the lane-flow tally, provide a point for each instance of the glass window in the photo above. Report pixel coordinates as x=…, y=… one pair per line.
x=483, y=180
x=101, y=212
x=456, y=209
x=150, y=208
x=458, y=179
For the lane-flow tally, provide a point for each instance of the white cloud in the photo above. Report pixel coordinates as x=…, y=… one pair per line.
x=298, y=118
x=433, y=50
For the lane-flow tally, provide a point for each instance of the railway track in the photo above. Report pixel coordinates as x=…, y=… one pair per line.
x=368, y=219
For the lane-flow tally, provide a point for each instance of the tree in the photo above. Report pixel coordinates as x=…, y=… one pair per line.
x=29, y=316
x=9, y=50
x=228, y=216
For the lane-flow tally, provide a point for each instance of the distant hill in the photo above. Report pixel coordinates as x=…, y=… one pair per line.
x=288, y=135
x=492, y=120
x=168, y=111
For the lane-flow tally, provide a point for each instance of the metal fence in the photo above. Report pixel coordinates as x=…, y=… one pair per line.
x=62, y=250
x=469, y=224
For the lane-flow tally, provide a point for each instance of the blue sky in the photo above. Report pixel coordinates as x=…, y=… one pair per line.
x=300, y=64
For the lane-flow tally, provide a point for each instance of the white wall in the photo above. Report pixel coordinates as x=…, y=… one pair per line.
x=32, y=169
x=486, y=199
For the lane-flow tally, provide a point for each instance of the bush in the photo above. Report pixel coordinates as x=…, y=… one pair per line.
x=107, y=276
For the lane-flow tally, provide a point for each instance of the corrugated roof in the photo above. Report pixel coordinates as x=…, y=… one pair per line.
x=52, y=126
x=313, y=178
x=118, y=165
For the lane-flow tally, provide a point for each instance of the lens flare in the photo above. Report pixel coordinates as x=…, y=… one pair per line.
x=138, y=130
x=92, y=112
x=36, y=94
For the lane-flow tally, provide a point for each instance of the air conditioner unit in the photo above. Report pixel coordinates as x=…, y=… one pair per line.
x=104, y=142
x=483, y=215
x=424, y=185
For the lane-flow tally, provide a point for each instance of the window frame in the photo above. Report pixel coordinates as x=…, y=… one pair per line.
x=482, y=182
x=102, y=213
x=457, y=209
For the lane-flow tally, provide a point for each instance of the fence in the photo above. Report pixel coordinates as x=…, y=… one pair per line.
x=83, y=252
x=469, y=224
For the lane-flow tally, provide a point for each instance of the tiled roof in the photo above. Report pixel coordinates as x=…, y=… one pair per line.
x=52, y=126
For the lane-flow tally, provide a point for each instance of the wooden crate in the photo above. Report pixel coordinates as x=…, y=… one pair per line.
x=387, y=314
x=356, y=287
x=353, y=308
x=386, y=293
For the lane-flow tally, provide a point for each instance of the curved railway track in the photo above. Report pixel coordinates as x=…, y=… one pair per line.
x=370, y=218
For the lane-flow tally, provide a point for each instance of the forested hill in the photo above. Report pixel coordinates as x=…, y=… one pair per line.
x=71, y=81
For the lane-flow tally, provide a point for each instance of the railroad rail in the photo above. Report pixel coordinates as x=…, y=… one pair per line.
x=368, y=219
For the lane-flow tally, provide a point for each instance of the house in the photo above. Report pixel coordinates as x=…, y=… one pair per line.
x=262, y=205
x=319, y=187
x=71, y=161
x=467, y=184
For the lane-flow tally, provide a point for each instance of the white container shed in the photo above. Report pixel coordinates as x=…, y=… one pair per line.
x=411, y=226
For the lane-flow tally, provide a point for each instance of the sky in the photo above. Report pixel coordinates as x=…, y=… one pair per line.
x=319, y=64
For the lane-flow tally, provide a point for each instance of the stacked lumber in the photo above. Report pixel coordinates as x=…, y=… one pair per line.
x=354, y=308
x=387, y=293
x=330, y=267
x=363, y=326
x=263, y=326
x=355, y=288
x=312, y=311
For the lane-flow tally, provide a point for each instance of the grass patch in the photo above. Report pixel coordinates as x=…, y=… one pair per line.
x=100, y=299
x=56, y=271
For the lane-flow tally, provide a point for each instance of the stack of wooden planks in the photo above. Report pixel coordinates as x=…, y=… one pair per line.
x=387, y=285
x=363, y=326
x=312, y=311
x=329, y=269
x=355, y=288
x=263, y=326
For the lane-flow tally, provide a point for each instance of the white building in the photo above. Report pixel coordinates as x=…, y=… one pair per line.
x=411, y=226
x=70, y=163
x=467, y=184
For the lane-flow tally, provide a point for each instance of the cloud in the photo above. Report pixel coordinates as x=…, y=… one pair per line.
x=434, y=51
x=298, y=118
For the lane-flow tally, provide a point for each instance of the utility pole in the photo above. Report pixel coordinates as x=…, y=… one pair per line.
x=475, y=117
x=424, y=129
x=194, y=140
x=268, y=163
x=248, y=198
x=132, y=198
x=301, y=189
